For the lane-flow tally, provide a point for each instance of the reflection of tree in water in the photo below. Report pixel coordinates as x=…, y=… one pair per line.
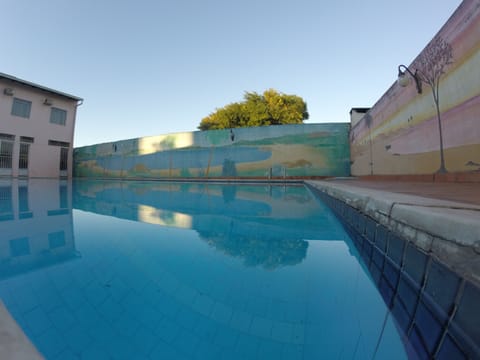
x=271, y=253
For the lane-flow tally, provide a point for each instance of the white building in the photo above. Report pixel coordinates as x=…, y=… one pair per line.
x=36, y=129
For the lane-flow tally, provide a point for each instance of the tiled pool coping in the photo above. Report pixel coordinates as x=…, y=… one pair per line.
x=417, y=268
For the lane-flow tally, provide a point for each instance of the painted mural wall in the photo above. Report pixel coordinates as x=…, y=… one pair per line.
x=400, y=134
x=259, y=152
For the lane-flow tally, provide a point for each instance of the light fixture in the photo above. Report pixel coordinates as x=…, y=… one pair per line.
x=404, y=80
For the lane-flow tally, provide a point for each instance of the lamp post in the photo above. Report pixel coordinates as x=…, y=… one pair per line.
x=404, y=80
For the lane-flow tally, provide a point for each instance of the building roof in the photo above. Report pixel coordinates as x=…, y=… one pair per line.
x=40, y=87
x=362, y=110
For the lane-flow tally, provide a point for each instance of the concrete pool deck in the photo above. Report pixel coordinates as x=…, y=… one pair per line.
x=442, y=219
x=14, y=344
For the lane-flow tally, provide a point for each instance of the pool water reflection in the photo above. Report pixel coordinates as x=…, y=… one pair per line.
x=148, y=270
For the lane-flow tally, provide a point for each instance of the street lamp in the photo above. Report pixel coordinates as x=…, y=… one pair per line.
x=404, y=80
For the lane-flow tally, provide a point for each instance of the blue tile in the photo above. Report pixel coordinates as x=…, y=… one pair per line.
x=391, y=272
x=78, y=339
x=226, y=337
x=270, y=350
x=247, y=346
x=144, y=340
x=370, y=229
x=206, y=329
x=292, y=352
x=359, y=225
x=148, y=316
x=386, y=291
x=449, y=350
x=167, y=330
x=95, y=293
x=73, y=296
x=221, y=313
x=67, y=354
x=87, y=315
x=95, y=352
x=49, y=298
x=417, y=344
x=51, y=343
x=241, y=320
x=396, y=246
x=429, y=327
x=402, y=318
x=467, y=319
x=102, y=331
x=126, y=324
x=117, y=289
x=111, y=310
x=442, y=286
x=381, y=237
x=62, y=318
x=25, y=298
x=187, y=318
x=282, y=332
x=378, y=257
x=203, y=304
x=468, y=314
x=407, y=295
x=415, y=263
x=38, y=321
x=120, y=348
x=207, y=350
x=367, y=248
x=186, y=342
x=261, y=327
x=375, y=273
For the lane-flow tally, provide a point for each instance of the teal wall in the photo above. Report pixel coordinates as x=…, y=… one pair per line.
x=256, y=152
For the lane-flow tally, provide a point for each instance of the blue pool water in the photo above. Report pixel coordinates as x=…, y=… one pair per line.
x=145, y=270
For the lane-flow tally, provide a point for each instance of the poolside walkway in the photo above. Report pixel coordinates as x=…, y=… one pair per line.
x=468, y=193
x=443, y=219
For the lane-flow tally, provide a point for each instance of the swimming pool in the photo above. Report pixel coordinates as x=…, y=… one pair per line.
x=148, y=270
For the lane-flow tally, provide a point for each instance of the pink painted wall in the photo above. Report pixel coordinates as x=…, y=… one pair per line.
x=44, y=159
x=400, y=134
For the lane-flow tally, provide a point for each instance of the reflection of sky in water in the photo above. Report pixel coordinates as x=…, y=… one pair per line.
x=194, y=275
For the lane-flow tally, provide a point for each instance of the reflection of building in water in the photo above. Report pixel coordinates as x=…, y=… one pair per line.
x=36, y=226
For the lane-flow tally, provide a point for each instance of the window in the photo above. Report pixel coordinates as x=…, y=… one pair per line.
x=56, y=239
x=6, y=154
x=63, y=159
x=58, y=116
x=19, y=247
x=23, y=158
x=21, y=108
x=58, y=143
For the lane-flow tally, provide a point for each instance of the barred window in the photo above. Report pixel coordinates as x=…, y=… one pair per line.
x=23, y=158
x=63, y=158
x=6, y=154
x=21, y=108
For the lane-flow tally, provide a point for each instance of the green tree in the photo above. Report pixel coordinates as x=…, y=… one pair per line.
x=269, y=108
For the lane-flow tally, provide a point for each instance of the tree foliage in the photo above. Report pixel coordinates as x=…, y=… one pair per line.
x=269, y=108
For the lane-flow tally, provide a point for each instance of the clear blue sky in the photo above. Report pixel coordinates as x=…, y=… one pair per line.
x=151, y=67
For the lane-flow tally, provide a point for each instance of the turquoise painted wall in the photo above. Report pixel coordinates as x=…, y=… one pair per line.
x=287, y=150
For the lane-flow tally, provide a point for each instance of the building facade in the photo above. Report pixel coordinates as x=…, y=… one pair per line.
x=36, y=130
